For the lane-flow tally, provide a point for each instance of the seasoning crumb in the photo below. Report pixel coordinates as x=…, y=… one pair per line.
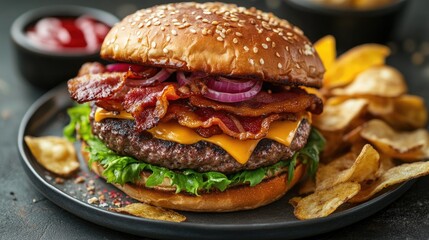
x=59, y=180
x=79, y=179
x=93, y=200
x=34, y=200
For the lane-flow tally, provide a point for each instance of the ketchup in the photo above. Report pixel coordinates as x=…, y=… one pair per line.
x=68, y=34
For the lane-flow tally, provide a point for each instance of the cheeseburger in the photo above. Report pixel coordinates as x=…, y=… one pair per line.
x=205, y=108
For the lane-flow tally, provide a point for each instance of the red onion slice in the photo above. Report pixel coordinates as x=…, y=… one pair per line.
x=124, y=67
x=222, y=84
x=182, y=79
x=234, y=97
x=161, y=76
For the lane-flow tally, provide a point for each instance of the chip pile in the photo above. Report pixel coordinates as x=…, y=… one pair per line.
x=375, y=132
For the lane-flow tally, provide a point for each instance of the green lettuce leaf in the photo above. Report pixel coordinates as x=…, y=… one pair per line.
x=124, y=169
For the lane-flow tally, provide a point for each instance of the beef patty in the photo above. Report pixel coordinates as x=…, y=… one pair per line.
x=119, y=135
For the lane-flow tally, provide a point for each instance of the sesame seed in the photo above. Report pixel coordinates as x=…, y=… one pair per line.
x=287, y=48
x=268, y=39
x=226, y=24
x=204, y=31
x=235, y=40
x=168, y=38
x=297, y=66
x=265, y=46
x=148, y=24
x=277, y=54
x=162, y=28
x=279, y=65
x=140, y=25
x=210, y=32
x=289, y=34
x=175, y=20
x=255, y=50
x=246, y=48
x=308, y=50
x=153, y=44
x=157, y=23
x=192, y=30
x=165, y=50
x=238, y=34
x=261, y=61
x=222, y=34
x=273, y=44
x=251, y=61
x=228, y=31
x=174, y=32
x=207, y=12
x=205, y=20
x=176, y=24
x=198, y=17
x=220, y=39
x=215, y=22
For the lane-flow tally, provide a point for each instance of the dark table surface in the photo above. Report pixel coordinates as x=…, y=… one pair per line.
x=27, y=214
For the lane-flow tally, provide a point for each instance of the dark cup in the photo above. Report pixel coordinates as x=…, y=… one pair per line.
x=349, y=26
x=46, y=68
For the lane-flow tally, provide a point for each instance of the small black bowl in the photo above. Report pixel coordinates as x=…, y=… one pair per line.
x=44, y=68
x=349, y=26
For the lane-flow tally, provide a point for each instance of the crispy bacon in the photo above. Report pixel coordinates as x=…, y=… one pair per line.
x=92, y=87
x=167, y=101
x=148, y=105
x=207, y=121
x=292, y=101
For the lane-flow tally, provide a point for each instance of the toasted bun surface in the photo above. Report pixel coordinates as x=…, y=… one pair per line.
x=217, y=39
x=232, y=199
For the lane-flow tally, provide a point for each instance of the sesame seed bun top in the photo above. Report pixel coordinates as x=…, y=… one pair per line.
x=217, y=39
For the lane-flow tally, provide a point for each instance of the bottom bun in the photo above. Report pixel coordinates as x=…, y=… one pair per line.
x=233, y=199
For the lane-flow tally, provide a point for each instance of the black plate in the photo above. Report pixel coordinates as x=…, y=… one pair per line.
x=276, y=221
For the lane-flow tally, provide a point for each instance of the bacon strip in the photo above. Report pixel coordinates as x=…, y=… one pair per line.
x=92, y=87
x=165, y=101
x=207, y=121
x=148, y=105
x=292, y=101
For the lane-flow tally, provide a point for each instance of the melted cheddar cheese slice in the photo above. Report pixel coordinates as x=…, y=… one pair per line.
x=280, y=131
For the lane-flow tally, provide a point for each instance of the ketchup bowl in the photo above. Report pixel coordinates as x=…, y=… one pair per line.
x=51, y=43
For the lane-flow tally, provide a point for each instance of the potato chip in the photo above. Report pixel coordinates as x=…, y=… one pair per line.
x=56, y=154
x=340, y=116
x=294, y=201
x=326, y=49
x=353, y=136
x=409, y=112
x=325, y=202
x=380, y=106
x=346, y=168
x=393, y=176
x=148, y=211
x=381, y=81
x=409, y=146
x=351, y=63
x=386, y=163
